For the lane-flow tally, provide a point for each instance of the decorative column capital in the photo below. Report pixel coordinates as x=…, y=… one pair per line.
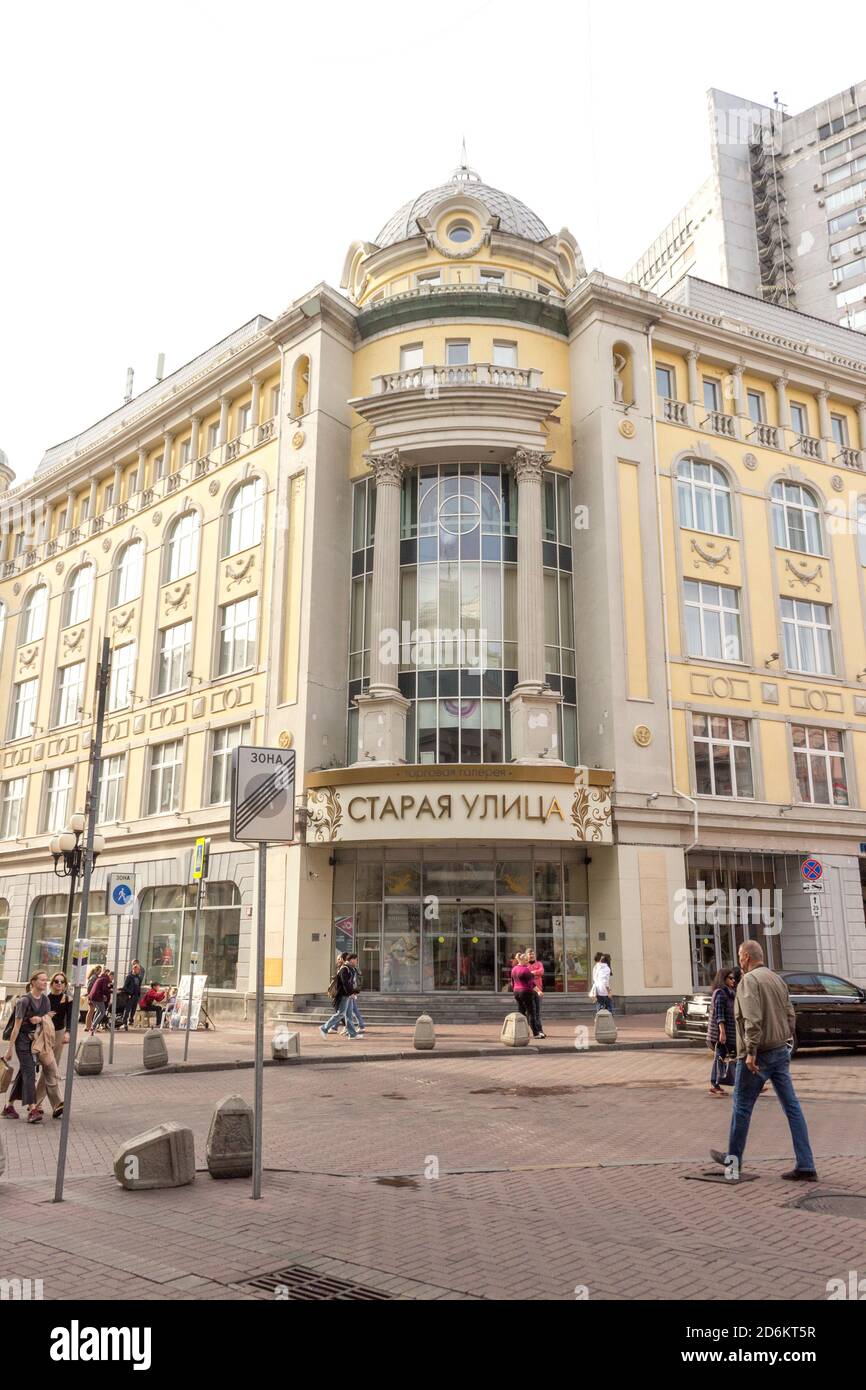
x=528, y=465
x=693, y=354
x=823, y=394
x=388, y=468
x=782, y=383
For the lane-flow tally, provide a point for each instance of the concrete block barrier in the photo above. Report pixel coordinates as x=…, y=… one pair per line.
x=230, y=1139
x=160, y=1157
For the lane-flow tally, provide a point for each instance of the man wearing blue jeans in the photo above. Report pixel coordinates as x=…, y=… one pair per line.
x=343, y=1000
x=764, y=1017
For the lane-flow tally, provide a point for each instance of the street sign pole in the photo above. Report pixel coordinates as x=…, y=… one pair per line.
x=114, y=1000
x=119, y=896
x=260, y=1021
x=90, y=808
x=200, y=864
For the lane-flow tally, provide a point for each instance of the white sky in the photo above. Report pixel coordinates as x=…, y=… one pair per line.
x=170, y=169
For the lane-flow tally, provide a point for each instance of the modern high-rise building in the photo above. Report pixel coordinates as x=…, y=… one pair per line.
x=557, y=589
x=782, y=214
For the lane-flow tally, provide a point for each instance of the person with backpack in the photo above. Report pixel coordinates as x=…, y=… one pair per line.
x=722, y=1031
x=342, y=990
x=100, y=998
x=33, y=1041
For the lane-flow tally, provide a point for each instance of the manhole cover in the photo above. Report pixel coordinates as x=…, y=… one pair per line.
x=850, y=1204
x=304, y=1285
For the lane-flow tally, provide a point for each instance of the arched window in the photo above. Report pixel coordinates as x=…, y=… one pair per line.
x=704, y=498
x=181, y=547
x=78, y=599
x=244, y=516
x=167, y=925
x=796, y=518
x=48, y=933
x=128, y=572
x=34, y=614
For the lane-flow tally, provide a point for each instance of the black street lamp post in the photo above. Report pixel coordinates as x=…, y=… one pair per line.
x=68, y=851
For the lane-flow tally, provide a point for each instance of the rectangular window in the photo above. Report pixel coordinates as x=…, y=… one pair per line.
x=237, y=635
x=666, y=383
x=223, y=742
x=839, y=426
x=457, y=352
x=723, y=756
x=108, y=499
x=819, y=765
x=712, y=613
x=245, y=416
x=58, y=790
x=428, y=278
x=19, y=545
x=112, y=782
x=69, y=694
x=23, y=709
x=492, y=277
x=712, y=394
x=542, y=289
x=275, y=400
x=166, y=775
x=183, y=457
x=213, y=435
x=757, y=407
x=122, y=678
x=174, y=657
x=505, y=354
x=84, y=509
x=799, y=418
x=158, y=468
x=807, y=634
x=12, y=795
x=411, y=357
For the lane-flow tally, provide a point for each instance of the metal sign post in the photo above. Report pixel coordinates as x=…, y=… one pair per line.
x=90, y=806
x=119, y=897
x=263, y=811
x=200, y=864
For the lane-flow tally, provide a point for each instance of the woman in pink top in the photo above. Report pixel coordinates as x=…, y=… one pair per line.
x=537, y=969
x=523, y=985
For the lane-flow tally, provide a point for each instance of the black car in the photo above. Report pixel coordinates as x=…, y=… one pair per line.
x=830, y=1011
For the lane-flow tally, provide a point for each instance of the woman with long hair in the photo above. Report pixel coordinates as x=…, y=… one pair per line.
x=61, y=1008
x=31, y=1012
x=722, y=1031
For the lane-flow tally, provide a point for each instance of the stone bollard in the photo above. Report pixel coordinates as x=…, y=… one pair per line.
x=285, y=1044
x=515, y=1031
x=88, y=1057
x=161, y=1157
x=424, y=1037
x=230, y=1139
x=605, y=1027
x=154, y=1051
x=670, y=1027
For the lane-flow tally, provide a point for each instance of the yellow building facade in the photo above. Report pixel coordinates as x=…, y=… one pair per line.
x=555, y=587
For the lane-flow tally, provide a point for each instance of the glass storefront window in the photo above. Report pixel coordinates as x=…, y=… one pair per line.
x=167, y=927
x=48, y=930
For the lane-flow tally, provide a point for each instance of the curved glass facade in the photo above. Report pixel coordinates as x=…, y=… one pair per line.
x=458, y=609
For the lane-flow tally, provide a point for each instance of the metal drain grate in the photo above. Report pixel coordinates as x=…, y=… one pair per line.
x=850, y=1204
x=297, y=1283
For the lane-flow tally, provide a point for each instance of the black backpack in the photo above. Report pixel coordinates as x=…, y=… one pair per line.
x=10, y=1022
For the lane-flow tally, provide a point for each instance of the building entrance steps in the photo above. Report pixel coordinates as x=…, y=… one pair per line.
x=384, y=1009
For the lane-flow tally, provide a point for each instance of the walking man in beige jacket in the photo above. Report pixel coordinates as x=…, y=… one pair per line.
x=764, y=1017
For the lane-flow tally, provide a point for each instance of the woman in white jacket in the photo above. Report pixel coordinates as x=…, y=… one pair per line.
x=601, y=974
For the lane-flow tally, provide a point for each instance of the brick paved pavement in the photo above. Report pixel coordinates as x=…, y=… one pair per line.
x=597, y=1145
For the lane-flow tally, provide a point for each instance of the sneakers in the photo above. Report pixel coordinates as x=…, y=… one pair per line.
x=58, y=1113
x=323, y=1030
x=801, y=1175
x=541, y=1035
x=10, y=1113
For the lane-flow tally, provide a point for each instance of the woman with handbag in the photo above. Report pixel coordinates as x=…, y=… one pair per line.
x=61, y=1008
x=33, y=1041
x=722, y=1032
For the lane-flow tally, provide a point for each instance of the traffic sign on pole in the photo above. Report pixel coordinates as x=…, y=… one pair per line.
x=812, y=869
x=263, y=795
x=809, y=887
x=815, y=903
x=121, y=891
x=200, y=859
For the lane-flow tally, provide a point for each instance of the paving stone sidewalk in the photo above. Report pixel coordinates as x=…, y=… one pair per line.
x=433, y=1162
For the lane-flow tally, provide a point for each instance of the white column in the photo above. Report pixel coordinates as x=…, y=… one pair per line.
x=256, y=401
x=695, y=396
x=225, y=407
x=533, y=705
x=91, y=499
x=195, y=435
x=167, y=441
x=739, y=393
x=782, y=402
x=117, y=483
x=382, y=710
x=70, y=509
x=861, y=418
x=825, y=428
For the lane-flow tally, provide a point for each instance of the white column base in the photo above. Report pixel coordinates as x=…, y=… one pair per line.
x=534, y=725
x=381, y=726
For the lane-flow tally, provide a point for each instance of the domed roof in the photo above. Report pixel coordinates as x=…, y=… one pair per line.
x=513, y=215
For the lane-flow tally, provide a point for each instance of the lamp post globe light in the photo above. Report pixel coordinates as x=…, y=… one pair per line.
x=68, y=850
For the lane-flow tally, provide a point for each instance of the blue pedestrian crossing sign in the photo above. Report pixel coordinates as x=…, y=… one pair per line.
x=812, y=869
x=121, y=893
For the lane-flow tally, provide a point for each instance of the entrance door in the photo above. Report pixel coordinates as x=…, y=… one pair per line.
x=460, y=949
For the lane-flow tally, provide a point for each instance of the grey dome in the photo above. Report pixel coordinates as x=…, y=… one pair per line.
x=513, y=215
